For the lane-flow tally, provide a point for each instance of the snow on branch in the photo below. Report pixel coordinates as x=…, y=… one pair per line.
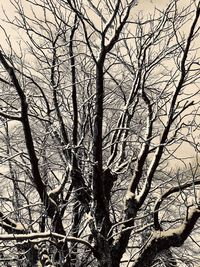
x=162, y=240
x=33, y=236
x=166, y=194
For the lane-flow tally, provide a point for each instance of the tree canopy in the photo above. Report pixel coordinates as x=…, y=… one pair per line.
x=99, y=103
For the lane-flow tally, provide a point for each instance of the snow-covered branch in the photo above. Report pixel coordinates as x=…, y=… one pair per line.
x=41, y=236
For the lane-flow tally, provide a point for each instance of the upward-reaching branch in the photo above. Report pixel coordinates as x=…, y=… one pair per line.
x=49, y=204
x=98, y=180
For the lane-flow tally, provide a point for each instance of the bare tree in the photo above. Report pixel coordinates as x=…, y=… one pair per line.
x=96, y=102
